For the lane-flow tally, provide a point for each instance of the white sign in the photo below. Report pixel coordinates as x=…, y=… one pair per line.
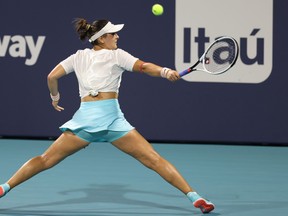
x=18, y=46
x=250, y=22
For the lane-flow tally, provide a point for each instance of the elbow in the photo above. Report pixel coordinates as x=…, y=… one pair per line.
x=56, y=73
x=50, y=77
x=146, y=67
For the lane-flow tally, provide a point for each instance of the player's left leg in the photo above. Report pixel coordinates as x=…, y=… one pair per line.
x=137, y=146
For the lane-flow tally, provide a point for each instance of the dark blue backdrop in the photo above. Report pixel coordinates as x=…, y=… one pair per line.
x=160, y=110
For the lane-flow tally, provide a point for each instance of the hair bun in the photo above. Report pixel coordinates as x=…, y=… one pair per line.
x=87, y=26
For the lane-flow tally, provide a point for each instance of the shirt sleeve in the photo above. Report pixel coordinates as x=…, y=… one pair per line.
x=67, y=64
x=125, y=60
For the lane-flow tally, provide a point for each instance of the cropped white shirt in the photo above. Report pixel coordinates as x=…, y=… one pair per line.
x=98, y=71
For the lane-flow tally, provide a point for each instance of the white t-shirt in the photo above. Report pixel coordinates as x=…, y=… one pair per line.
x=98, y=71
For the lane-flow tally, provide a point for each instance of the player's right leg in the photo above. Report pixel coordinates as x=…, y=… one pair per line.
x=65, y=145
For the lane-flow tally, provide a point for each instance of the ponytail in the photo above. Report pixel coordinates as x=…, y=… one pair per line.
x=86, y=30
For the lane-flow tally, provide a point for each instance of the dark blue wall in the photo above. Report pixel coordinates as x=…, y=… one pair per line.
x=160, y=110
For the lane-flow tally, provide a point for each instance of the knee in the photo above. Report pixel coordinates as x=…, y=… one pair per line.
x=152, y=160
x=45, y=161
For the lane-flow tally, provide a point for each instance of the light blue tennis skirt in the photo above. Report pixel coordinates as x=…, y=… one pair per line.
x=98, y=121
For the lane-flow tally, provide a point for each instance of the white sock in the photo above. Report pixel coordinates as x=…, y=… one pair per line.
x=193, y=196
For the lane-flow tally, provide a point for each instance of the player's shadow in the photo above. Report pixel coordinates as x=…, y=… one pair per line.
x=108, y=194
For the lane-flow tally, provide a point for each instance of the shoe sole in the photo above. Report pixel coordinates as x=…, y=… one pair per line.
x=204, y=206
x=2, y=192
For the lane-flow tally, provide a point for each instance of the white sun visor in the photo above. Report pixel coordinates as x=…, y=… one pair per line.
x=108, y=28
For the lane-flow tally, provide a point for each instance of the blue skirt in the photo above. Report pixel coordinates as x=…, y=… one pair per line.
x=98, y=121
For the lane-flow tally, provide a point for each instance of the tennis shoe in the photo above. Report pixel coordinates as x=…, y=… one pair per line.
x=205, y=205
x=4, y=188
x=2, y=192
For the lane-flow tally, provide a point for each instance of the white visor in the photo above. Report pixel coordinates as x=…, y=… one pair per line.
x=108, y=28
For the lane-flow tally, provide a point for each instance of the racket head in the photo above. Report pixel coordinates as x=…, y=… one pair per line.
x=220, y=56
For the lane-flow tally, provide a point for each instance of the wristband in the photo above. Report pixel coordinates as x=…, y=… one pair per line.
x=56, y=97
x=164, y=72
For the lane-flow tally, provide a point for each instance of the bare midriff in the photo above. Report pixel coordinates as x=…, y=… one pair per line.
x=100, y=96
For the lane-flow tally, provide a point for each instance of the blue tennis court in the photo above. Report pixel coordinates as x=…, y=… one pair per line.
x=102, y=181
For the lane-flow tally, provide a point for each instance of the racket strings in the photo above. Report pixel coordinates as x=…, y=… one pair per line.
x=221, y=56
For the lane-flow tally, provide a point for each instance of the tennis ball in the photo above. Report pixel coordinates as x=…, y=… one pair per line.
x=157, y=9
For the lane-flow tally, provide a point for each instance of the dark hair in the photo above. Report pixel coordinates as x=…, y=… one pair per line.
x=86, y=30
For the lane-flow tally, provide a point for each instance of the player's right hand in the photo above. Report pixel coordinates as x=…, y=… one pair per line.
x=56, y=107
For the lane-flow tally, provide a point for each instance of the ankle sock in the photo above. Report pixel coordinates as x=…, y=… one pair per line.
x=4, y=188
x=193, y=196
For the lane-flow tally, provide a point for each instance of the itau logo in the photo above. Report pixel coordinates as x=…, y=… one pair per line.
x=199, y=23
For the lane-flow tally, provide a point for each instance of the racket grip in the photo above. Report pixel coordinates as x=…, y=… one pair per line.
x=185, y=72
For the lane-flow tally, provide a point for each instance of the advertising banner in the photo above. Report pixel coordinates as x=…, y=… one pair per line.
x=247, y=104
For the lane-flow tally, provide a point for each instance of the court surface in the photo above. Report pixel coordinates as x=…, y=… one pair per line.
x=102, y=181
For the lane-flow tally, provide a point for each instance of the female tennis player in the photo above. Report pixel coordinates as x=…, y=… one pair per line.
x=99, y=117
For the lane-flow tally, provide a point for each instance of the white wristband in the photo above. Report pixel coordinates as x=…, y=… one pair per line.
x=56, y=97
x=164, y=72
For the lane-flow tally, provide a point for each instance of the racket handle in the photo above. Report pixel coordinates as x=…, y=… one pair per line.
x=185, y=72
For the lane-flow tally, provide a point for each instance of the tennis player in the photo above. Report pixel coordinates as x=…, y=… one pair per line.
x=99, y=117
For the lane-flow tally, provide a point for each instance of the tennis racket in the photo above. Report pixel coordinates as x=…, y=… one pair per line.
x=220, y=56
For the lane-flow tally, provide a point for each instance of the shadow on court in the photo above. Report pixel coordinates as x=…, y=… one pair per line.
x=240, y=180
x=116, y=202
x=111, y=195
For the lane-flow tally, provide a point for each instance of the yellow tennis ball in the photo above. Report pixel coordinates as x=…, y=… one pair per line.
x=157, y=9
